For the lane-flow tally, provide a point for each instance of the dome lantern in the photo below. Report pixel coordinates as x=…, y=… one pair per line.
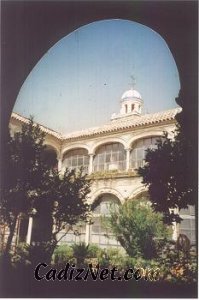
x=131, y=103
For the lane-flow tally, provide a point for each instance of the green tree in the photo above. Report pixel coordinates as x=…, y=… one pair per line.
x=26, y=169
x=138, y=228
x=166, y=176
x=31, y=181
x=63, y=200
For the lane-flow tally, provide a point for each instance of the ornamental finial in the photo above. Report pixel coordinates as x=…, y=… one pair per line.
x=133, y=81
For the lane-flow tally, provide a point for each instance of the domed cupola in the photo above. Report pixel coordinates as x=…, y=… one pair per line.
x=131, y=94
x=131, y=103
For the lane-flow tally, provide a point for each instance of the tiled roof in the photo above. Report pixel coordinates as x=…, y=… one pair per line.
x=121, y=124
x=126, y=123
x=43, y=128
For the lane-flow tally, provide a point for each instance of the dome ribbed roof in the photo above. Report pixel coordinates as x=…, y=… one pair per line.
x=131, y=94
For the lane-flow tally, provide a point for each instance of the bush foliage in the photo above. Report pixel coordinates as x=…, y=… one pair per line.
x=166, y=175
x=138, y=228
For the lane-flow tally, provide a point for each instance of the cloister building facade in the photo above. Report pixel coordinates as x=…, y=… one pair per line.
x=110, y=154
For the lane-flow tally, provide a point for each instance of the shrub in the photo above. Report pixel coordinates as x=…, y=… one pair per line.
x=80, y=252
x=138, y=228
x=21, y=255
x=111, y=257
x=179, y=266
x=25, y=254
x=148, y=269
x=40, y=252
x=94, y=251
x=63, y=254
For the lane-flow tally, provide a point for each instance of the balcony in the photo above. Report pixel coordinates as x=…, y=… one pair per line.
x=113, y=174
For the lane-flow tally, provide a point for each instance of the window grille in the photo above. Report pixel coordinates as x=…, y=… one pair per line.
x=138, y=153
x=110, y=157
x=75, y=159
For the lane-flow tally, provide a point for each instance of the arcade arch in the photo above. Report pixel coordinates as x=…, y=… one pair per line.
x=75, y=159
x=100, y=233
x=109, y=157
x=138, y=152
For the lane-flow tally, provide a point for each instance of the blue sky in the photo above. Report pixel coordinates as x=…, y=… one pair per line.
x=78, y=83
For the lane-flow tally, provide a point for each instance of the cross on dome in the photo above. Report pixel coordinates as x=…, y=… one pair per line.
x=133, y=82
x=132, y=93
x=131, y=103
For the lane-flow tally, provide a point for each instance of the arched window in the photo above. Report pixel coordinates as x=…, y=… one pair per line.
x=138, y=153
x=75, y=159
x=110, y=157
x=100, y=233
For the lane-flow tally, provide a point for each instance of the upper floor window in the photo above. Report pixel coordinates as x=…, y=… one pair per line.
x=138, y=153
x=75, y=159
x=110, y=157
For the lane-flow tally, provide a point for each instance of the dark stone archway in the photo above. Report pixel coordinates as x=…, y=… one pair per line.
x=30, y=28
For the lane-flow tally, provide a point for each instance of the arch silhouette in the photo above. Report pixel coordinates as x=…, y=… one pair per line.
x=103, y=191
x=73, y=147
x=52, y=146
x=181, y=32
x=100, y=199
x=144, y=135
x=55, y=26
x=137, y=191
x=105, y=141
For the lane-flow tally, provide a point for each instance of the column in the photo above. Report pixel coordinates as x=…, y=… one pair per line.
x=29, y=233
x=59, y=163
x=18, y=229
x=175, y=231
x=175, y=226
x=87, y=235
x=128, y=158
x=90, y=169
